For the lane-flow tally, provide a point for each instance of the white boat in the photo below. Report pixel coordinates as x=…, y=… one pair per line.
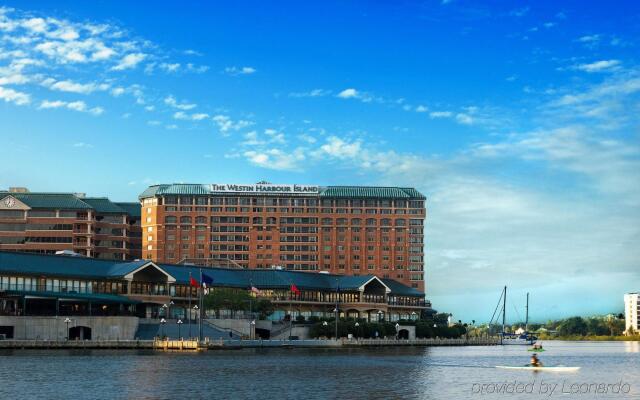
x=549, y=369
x=525, y=338
x=512, y=338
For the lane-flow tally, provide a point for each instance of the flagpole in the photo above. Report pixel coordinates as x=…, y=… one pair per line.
x=189, y=310
x=201, y=309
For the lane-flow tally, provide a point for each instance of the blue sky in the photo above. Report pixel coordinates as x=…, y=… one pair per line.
x=519, y=122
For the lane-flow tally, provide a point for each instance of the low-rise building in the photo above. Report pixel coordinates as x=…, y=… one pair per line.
x=54, y=285
x=96, y=227
x=631, y=307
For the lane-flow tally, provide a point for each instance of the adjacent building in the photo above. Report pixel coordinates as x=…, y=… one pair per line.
x=56, y=285
x=38, y=222
x=349, y=230
x=631, y=307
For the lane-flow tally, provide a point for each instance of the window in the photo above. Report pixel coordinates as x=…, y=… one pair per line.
x=185, y=220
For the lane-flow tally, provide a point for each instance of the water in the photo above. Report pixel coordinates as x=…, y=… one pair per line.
x=374, y=373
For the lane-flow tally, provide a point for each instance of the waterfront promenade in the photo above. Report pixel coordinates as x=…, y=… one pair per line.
x=236, y=344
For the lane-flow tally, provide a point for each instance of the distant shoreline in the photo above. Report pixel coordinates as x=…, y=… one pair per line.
x=577, y=338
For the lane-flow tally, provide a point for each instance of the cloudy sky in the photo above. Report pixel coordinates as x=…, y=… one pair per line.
x=519, y=123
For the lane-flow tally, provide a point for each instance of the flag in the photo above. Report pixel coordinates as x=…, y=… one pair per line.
x=255, y=290
x=193, y=282
x=294, y=289
x=206, y=280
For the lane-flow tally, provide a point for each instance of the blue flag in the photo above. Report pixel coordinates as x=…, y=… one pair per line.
x=206, y=280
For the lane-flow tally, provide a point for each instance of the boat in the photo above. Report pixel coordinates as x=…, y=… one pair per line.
x=543, y=368
x=507, y=338
x=536, y=350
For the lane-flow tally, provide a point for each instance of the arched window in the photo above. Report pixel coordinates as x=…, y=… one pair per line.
x=385, y=222
x=201, y=220
x=257, y=220
x=327, y=221
x=341, y=221
x=356, y=221
x=185, y=220
x=401, y=222
x=371, y=222
x=170, y=219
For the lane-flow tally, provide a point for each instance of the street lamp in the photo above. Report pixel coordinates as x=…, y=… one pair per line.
x=252, y=329
x=171, y=303
x=335, y=311
x=413, y=315
x=162, y=322
x=397, y=330
x=67, y=321
x=380, y=315
x=164, y=310
x=179, y=322
x=195, y=310
x=357, y=325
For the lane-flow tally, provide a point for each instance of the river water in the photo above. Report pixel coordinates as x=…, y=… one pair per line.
x=373, y=373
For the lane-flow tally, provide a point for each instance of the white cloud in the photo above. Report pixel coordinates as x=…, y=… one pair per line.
x=13, y=96
x=172, y=102
x=348, y=94
x=276, y=159
x=599, y=66
x=336, y=147
x=193, y=117
x=464, y=119
x=226, y=124
x=73, y=87
x=117, y=91
x=129, y=61
x=234, y=71
x=79, y=106
x=83, y=145
x=422, y=109
x=440, y=114
x=311, y=93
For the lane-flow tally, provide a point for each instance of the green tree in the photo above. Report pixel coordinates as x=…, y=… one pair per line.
x=227, y=299
x=573, y=326
x=264, y=308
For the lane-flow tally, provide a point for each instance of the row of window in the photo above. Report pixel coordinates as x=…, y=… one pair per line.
x=295, y=210
x=202, y=220
x=270, y=201
x=35, y=227
x=34, y=239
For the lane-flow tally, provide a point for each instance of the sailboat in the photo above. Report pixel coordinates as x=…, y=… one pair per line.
x=524, y=338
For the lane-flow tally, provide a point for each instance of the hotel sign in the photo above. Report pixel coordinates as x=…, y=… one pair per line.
x=265, y=188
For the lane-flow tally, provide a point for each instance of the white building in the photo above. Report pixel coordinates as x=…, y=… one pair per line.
x=631, y=306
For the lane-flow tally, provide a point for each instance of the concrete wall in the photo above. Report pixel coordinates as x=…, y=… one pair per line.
x=240, y=325
x=54, y=328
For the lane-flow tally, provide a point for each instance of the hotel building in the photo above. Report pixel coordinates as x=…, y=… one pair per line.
x=50, y=222
x=350, y=230
x=631, y=307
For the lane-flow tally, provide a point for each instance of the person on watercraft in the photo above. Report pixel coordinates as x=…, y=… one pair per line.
x=537, y=346
x=535, y=362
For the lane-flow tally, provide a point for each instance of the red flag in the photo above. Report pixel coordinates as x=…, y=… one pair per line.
x=193, y=282
x=295, y=289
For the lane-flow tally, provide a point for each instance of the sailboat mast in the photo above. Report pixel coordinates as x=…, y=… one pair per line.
x=526, y=322
x=504, y=311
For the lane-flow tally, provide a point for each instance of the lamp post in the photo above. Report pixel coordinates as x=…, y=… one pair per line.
x=380, y=315
x=413, y=315
x=252, y=329
x=357, y=325
x=397, y=331
x=179, y=322
x=335, y=311
x=325, y=323
x=164, y=310
x=162, y=322
x=171, y=303
x=195, y=309
x=67, y=321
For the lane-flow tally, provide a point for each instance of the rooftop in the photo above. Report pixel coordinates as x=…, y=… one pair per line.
x=72, y=201
x=89, y=268
x=363, y=192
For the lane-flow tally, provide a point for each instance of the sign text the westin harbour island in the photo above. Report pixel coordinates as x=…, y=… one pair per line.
x=264, y=188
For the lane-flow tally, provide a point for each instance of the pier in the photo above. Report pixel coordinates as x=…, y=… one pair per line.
x=193, y=345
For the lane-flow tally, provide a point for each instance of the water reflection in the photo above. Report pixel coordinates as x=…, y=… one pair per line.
x=421, y=373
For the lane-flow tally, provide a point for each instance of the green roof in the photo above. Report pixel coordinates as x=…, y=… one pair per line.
x=133, y=209
x=90, y=268
x=71, y=201
x=371, y=192
x=61, y=201
x=103, y=205
x=328, y=191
